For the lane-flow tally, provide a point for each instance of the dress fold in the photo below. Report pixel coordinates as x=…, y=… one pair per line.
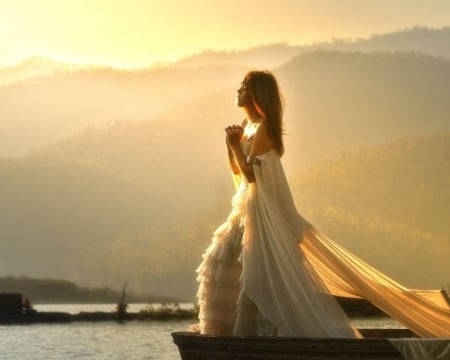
x=270, y=272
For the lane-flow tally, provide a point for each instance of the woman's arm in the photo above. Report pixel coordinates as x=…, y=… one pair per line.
x=231, y=161
x=261, y=143
x=233, y=166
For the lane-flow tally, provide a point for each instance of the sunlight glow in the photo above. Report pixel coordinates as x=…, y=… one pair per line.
x=138, y=33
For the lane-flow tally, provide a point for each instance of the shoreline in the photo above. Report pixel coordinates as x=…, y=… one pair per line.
x=43, y=313
x=160, y=314
x=25, y=313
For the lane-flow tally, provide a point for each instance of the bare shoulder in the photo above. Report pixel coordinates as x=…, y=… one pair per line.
x=261, y=143
x=261, y=131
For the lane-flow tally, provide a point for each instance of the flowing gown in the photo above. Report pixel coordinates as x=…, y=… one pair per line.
x=269, y=272
x=254, y=278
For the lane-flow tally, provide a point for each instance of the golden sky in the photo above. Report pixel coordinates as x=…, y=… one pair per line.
x=136, y=33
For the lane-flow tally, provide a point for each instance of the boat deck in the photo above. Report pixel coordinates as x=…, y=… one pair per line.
x=374, y=345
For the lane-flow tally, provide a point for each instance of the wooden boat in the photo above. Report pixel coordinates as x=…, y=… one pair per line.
x=374, y=345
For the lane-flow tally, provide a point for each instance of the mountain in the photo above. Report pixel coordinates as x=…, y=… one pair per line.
x=139, y=200
x=259, y=57
x=379, y=92
x=88, y=222
x=126, y=199
x=57, y=214
x=33, y=67
x=78, y=220
x=96, y=207
x=390, y=205
x=339, y=102
x=43, y=110
x=429, y=41
x=43, y=101
x=47, y=291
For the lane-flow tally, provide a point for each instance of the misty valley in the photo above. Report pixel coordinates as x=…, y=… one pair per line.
x=111, y=176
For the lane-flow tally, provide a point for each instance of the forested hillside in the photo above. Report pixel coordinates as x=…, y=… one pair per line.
x=45, y=291
x=41, y=110
x=42, y=100
x=339, y=102
x=81, y=222
x=389, y=205
x=429, y=41
x=418, y=39
x=367, y=156
x=336, y=103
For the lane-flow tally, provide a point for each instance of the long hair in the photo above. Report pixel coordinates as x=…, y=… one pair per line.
x=268, y=102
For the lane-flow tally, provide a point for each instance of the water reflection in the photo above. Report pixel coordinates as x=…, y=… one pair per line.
x=90, y=340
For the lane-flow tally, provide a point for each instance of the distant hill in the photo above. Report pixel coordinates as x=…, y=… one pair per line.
x=259, y=57
x=429, y=41
x=390, y=205
x=139, y=200
x=42, y=101
x=39, y=111
x=339, y=102
x=84, y=223
x=336, y=103
x=57, y=216
x=180, y=155
x=34, y=67
x=48, y=291
x=88, y=222
x=406, y=178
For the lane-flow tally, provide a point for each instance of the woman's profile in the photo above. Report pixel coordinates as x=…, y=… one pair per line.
x=267, y=270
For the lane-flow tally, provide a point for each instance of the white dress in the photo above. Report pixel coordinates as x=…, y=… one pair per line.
x=254, y=278
x=269, y=272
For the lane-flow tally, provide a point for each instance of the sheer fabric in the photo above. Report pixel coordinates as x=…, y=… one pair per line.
x=254, y=279
x=269, y=272
x=423, y=349
x=347, y=275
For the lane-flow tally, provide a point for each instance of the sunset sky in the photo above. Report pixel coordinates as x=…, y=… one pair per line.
x=137, y=33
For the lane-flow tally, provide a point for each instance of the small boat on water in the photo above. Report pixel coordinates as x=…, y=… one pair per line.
x=376, y=344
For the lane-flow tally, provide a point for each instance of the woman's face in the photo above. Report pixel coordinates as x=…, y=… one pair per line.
x=243, y=97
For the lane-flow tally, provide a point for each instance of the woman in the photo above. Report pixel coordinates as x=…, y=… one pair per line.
x=254, y=278
x=270, y=272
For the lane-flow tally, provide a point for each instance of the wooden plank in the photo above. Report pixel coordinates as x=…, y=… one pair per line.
x=201, y=347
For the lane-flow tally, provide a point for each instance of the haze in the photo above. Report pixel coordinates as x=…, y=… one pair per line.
x=111, y=171
x=138, y=33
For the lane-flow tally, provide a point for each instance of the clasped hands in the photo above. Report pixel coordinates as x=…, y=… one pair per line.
x=233, y=135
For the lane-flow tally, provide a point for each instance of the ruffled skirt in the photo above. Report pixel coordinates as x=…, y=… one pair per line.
x=224, y=307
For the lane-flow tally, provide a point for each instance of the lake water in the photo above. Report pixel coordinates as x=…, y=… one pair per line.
x=105, y=340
